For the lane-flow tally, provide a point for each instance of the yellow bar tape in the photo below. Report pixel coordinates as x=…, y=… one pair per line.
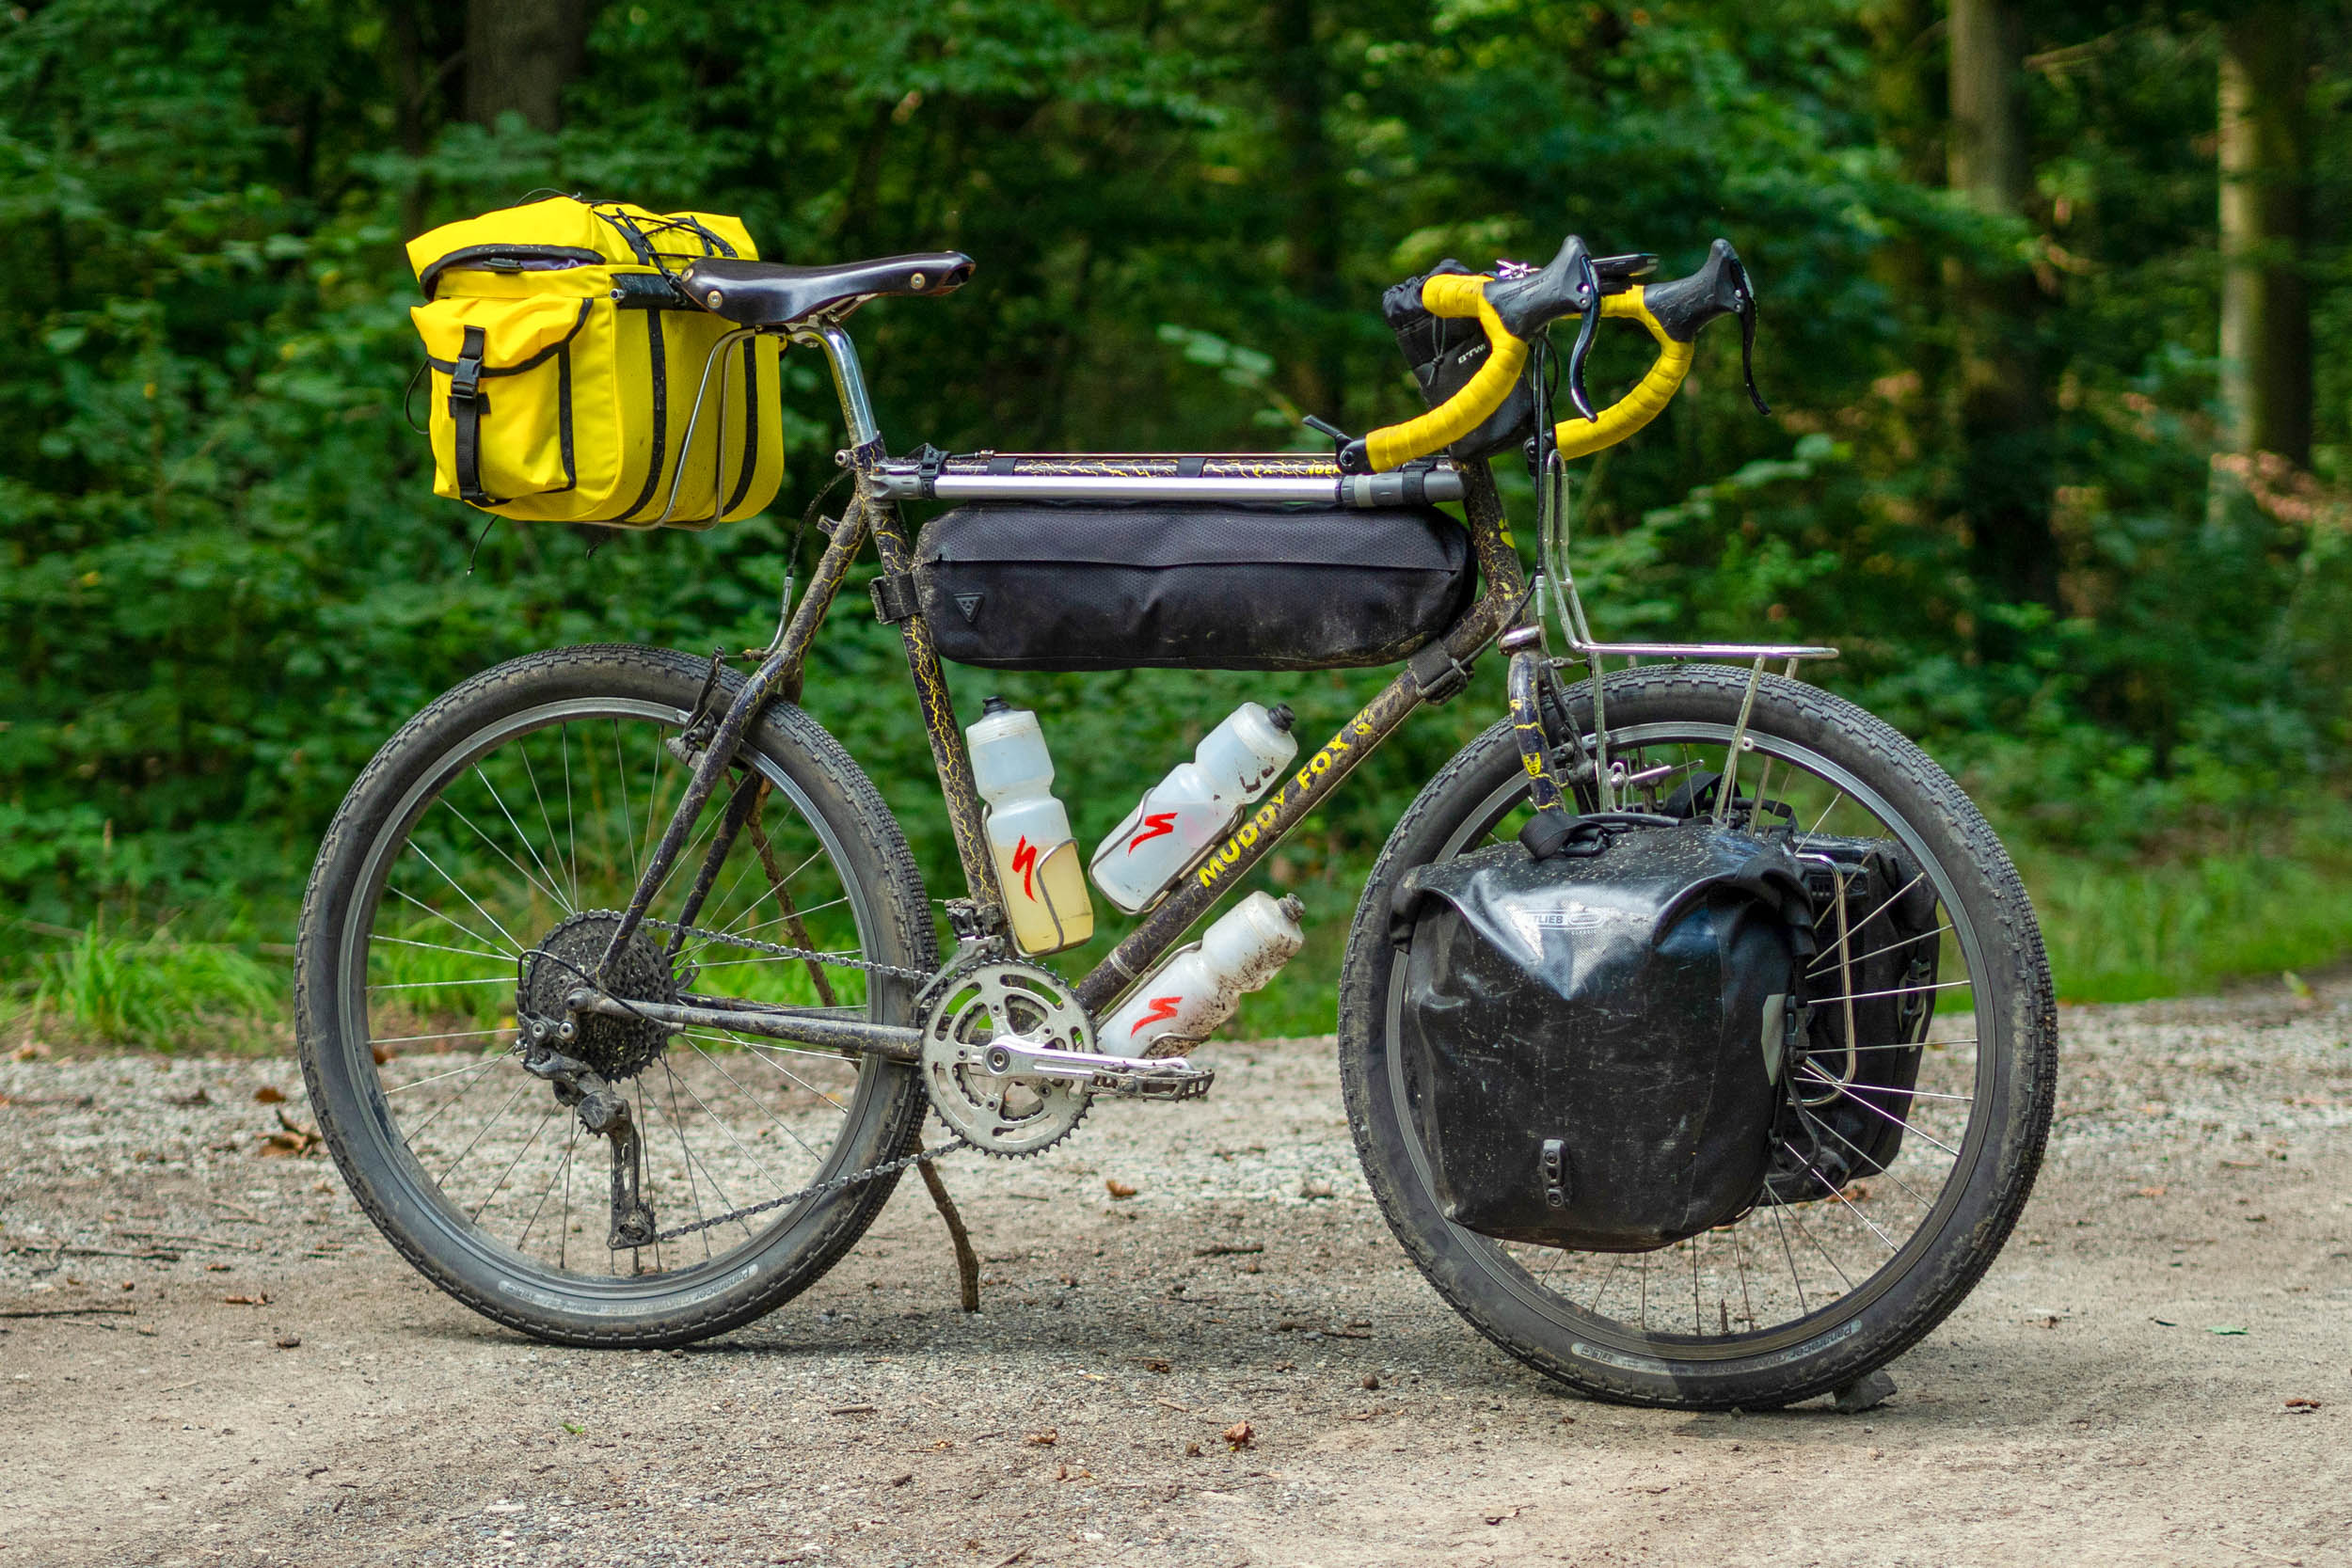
x=1456, y=296
x=1580, y=437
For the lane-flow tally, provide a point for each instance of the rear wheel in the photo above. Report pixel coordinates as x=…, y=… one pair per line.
x=1829, y=1275
x=478, y=861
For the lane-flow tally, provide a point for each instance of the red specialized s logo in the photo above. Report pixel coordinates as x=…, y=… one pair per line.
x=1162, y=1008
x=1024, y=861
x=1155, y=826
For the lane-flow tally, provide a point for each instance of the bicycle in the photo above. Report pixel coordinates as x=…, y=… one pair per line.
x=776, y=928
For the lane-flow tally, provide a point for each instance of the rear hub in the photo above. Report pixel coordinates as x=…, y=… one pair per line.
x=565, y=960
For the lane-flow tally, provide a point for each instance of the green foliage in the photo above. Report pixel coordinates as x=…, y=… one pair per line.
x=152, y=990
x=224, y=582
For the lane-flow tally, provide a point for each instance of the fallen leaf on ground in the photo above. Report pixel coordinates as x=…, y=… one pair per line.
x=1240, y=1436
x=382, y=1053
x=1314, y=1188
x=2152, y=1191
x=289, y=1139
x=259, y=1298
x=1117, y=1188
x=1046, y=1439
x=32, y=1053
x=2303, y=1404
x=216, y=1267
x=288, y=1341
x=1192, y=1451
x=1507, y=1513
x=1065, y=1472
x=198, y=1098
x=268, y=1094
x=907, y=1480
x=1153, y=1364
x=2225, y=1328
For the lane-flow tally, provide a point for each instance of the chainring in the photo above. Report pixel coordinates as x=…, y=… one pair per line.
x=1016, y=1114
x=616, y=1047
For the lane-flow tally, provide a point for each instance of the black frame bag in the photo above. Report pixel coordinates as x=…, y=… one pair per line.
x=1033, y=586
x=1599, y=1037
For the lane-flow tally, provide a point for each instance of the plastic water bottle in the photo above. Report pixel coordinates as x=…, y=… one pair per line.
x=1185, y=812
x=1028, y=832
x=1200, y=987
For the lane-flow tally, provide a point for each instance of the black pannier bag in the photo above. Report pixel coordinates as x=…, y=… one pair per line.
x=1443, y=353
x=1599, y=1037
x=1033, y=586
x=1892, y=944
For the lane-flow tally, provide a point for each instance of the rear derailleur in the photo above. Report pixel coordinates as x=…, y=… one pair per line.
x=603, y=1112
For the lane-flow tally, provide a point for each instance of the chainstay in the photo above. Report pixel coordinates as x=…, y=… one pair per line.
x=821, y=1189
x=895, y=972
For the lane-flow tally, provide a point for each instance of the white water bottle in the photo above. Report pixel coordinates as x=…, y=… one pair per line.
x=1185, y=812
x=1028, y=832
x=1200, y=987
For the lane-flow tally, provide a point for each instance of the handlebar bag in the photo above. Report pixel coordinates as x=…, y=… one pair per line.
x=566, y=369
x=1889, y=968
x=1594, y=1042
x=1444, y=353
x=1035, y=586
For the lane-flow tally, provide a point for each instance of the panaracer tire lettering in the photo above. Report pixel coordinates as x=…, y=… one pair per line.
x=1880, y=1316
x=882, y=1120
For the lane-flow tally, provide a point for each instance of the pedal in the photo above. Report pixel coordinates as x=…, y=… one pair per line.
x=1133, y=1077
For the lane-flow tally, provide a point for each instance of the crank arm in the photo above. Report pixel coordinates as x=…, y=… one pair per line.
x=855, y=1035
x=1151, y=1077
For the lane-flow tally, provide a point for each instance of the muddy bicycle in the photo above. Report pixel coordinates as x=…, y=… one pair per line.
x=622, y=1003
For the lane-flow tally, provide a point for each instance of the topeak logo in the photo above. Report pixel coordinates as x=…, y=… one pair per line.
x=970, y=605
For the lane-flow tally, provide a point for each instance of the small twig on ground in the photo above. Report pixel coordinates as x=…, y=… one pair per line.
x=967, y=1261
x=70, y=1312
x=238, y=1208
x=153, y=1255
x=192, y=1241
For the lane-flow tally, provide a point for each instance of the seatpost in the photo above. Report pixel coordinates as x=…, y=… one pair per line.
x=849, y=384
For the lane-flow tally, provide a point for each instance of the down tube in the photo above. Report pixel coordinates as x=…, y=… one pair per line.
x=1314, y=779
x=1321, y=774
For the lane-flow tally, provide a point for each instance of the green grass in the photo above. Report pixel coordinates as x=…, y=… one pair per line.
x=150, y=990
x=2124, y=935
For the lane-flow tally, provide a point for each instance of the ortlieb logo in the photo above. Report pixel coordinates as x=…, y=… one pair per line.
x=1533, y=924
x=970, y=605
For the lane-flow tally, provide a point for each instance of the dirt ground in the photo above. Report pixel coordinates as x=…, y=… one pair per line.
x=2158, y=1369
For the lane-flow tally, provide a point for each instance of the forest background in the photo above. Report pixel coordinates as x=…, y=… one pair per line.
x=2056, y=306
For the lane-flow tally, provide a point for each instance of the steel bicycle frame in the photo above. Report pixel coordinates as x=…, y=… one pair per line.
x=1435, y=675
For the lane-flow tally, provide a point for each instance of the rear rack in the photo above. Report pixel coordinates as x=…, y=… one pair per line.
x=1261, y=478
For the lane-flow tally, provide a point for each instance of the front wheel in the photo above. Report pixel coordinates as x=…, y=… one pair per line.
x=475, y=870
x=1931, y=1142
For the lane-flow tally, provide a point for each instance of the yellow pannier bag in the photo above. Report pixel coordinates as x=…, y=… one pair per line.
x=567, y=370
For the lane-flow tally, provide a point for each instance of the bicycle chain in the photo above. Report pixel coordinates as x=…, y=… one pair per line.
x=892, y=972
x=838, y=1183
x=821, y=1189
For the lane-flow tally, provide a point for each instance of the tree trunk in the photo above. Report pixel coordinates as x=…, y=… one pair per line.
x=520, y=54
x=1311, y=202
x=2266, y=312
x=2003, y=393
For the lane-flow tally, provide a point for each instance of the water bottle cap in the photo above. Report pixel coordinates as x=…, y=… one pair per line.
x=1280, y=717
x=995, y=704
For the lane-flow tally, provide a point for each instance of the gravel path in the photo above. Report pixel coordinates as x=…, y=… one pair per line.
x=250, y=1376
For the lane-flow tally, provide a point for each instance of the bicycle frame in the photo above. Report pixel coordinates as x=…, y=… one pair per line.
x=1437, y=673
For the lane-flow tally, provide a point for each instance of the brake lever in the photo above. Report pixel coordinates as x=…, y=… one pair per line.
x=1744, y=292
x=1588, y=287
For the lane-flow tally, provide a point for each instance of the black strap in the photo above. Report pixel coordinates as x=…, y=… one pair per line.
x=467, y=406
x=894, y=597
x=1437, y=673
x=1191, y=466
